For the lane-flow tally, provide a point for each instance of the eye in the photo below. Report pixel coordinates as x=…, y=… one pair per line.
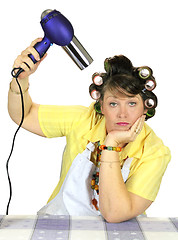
x=113, y=104
x=132, y=104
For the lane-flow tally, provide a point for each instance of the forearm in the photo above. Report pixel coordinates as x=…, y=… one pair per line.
x=14, y=100
x=114, y=199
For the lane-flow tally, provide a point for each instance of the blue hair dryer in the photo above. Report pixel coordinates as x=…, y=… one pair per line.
x=59, y=30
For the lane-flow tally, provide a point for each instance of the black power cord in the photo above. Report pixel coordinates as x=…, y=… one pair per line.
x=15, y=75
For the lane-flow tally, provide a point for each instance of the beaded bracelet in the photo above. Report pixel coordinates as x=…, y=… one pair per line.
x=109, y=148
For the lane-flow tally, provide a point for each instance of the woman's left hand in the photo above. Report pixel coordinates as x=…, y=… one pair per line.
x=118, y=138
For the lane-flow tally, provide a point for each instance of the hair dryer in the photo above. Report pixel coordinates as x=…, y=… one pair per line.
x=59, y=30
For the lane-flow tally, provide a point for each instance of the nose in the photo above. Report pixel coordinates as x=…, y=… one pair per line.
x=122, y=112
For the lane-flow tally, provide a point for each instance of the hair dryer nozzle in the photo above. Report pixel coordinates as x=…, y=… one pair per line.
x=78, y=53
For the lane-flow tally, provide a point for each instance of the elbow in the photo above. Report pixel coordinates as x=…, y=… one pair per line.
x=117, y=215
x=110, y=218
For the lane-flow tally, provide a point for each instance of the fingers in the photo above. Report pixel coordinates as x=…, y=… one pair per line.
x=24, y=61
x=35, y=41
x=138, y=125
x=31, y=50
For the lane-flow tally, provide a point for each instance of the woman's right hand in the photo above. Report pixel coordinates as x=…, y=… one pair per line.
x=29, y=67
x=120, y=138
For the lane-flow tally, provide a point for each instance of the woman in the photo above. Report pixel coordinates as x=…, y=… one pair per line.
x=113, y=162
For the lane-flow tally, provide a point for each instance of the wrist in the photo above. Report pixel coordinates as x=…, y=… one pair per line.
x=14, y=88
x=109, y=141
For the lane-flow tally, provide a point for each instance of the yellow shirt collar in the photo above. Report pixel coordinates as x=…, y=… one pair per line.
x=135, y=149
x=98, y=132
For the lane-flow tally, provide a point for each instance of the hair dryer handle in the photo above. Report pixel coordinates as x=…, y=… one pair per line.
x=41, y=48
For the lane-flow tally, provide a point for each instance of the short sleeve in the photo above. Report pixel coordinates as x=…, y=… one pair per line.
x=148, y=172
x=57, y=121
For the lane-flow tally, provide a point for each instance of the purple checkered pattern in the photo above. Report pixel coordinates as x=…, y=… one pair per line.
x=125, y=230
x=55, y=227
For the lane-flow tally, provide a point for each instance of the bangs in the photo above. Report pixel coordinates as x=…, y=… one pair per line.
x=126, y=85
x=118, y=90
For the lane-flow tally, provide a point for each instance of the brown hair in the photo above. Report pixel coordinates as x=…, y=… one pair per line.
x=122, y=76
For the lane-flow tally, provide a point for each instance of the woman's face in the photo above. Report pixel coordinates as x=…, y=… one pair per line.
x=121, y=111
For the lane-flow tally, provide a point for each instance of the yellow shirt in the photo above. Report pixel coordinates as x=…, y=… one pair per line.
x=82, y=125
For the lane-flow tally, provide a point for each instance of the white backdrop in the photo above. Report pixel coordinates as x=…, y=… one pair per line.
x=144, y=31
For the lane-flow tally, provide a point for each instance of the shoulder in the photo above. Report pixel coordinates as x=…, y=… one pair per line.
x=150, y=137
x=89, y=114
x=154, y=146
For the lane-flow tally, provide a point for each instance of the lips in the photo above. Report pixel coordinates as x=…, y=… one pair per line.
x=122, y=123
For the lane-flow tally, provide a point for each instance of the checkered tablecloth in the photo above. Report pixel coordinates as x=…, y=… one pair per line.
x=86, y=228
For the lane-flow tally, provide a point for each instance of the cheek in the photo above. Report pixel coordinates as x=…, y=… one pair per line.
x=136, y=113
x=105, y=111
x=108, y=114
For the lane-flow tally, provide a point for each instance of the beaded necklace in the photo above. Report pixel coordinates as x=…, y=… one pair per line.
x=95, y=178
